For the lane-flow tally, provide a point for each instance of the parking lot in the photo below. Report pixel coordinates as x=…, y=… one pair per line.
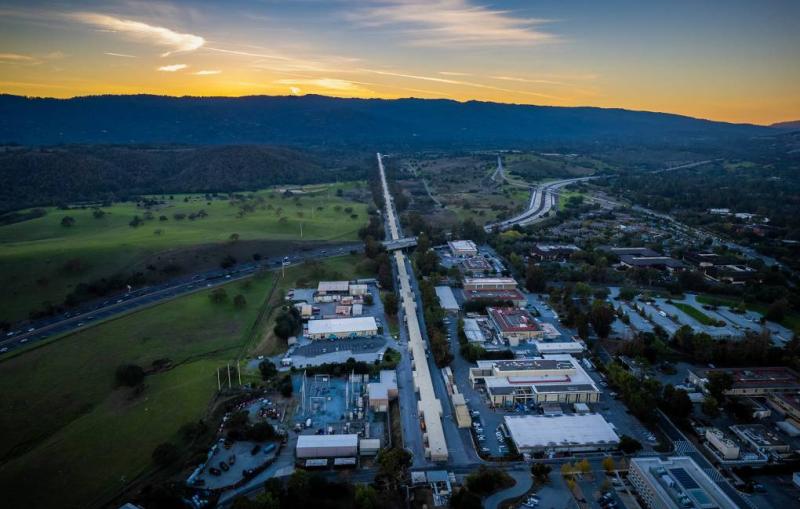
x=226, y=465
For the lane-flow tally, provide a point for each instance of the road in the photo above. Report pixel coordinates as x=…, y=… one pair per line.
x=92, y=313
x=543, y=199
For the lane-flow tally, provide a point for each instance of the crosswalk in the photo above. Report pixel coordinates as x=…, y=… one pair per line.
x=684, y=447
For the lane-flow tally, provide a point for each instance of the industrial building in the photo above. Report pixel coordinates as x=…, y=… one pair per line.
x=326, y=446
x=473, y=330
x=476, y=266
x=333, y=288
x=463, y=248
x=675, y=483
x=725, y=447
x=752, y=381
x=490, y=283
x=550, y=379
x=382, y=392
x=338, y=328
x=515, y=297
x=553, y=252
x=429, y=406
x=761, y=438
x=561, y=433
x=514, y=325
x=460, y=410
x=446, y=299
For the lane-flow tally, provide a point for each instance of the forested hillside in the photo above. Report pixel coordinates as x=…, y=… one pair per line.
x=328, y=121
x=46, y=176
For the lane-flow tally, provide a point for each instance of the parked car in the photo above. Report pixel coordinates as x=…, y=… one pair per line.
x=214, y=471
x=232, y=459
x=224, y=466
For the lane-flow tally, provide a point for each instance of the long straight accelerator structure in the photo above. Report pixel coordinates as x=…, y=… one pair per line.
x=429, y=407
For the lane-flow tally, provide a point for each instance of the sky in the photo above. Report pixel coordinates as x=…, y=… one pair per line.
x=731, y=60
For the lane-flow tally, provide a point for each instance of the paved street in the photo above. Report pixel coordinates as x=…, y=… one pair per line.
x=94, y=312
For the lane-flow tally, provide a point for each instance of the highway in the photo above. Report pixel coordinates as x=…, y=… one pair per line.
x=543, y=199
x=92, y=313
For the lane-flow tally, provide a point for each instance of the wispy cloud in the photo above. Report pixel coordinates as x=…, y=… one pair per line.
x=172, y=68
x=454, y=73
x=449, y=81
x=327, y=83
x=120, y=55
x=206, y=72
x=16, y=58
x=175, y=41
x=526, y=80
x=453, y=23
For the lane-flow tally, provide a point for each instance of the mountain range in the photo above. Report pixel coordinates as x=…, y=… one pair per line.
x=327, y=121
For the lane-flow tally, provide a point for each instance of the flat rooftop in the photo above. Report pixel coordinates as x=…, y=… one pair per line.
x=333, y=325
x=333, y=286
x=777, y=377
x=349, y=440
x=446, y=297
x=476, y=263
x=496, y=295
x=527, y=364
x=681, y=475
x=490, y=281
x=542, y=431
x=513, y=320
x=462, y=245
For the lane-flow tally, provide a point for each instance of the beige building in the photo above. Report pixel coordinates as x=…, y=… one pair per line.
x=726, y=447
x=550, y=379
x=490, y=283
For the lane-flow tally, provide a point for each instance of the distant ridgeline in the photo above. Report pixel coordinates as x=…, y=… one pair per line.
x=326, y=121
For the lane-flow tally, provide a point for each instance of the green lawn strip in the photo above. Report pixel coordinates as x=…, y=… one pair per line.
x=695, y=313
x=33, y=253
x=565, y=196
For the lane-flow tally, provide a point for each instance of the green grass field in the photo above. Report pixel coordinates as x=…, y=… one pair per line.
x=71, y=438
x=695, y=313
x=33, y=253
x=564, y=197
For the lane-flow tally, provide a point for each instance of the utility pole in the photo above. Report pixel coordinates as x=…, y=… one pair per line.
x=239, y=372
x=229, y=375
x=301, y=230
x=219, y=385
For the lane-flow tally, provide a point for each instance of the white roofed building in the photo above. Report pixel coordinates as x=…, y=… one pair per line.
x=567, y=433
x=338, y=328
x=462, y=248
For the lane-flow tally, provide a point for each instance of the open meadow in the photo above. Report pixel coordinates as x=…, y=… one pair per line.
x=42, y=260
x=62, y=416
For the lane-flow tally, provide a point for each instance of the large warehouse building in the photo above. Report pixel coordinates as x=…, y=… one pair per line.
x=338, y=328
x=327, y=446
x=550, y=379
x=561, y=433
x=676, y=483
